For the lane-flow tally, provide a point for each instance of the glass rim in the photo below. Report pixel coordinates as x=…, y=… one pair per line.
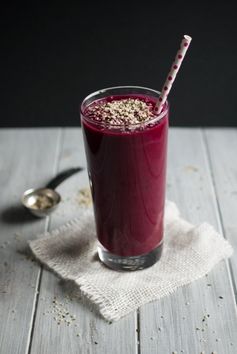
x=118, y=126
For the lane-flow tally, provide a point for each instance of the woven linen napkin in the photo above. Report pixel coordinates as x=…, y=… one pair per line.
x=189, y=253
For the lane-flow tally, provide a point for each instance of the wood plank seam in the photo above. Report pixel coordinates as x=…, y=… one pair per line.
x=218, y=210
x=47, y=226
x=138, y=332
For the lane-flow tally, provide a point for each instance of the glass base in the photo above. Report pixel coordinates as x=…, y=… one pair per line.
x=129, y=263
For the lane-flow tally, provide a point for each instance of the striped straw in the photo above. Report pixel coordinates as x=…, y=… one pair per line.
x=173, y=72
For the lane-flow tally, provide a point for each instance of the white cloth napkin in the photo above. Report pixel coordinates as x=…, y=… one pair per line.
x=189, y=253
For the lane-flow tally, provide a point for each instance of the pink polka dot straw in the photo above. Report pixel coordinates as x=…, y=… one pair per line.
x=173, y=72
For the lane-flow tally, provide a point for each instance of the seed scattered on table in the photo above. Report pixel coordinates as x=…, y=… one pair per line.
x=61, y=313
x=17, y=237
x=84, y=197
x=190, y=168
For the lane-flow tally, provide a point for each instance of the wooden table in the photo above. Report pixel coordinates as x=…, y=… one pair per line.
x=202, y=180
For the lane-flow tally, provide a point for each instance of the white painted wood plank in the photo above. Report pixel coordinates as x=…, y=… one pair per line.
x=92, y=334
x=169, y=325
x=222, y=151
x=24, y=163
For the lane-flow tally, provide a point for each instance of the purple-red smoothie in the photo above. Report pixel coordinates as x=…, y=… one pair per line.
x=127, y=172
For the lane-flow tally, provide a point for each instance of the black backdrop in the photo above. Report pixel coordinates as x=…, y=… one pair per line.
x=53, y=55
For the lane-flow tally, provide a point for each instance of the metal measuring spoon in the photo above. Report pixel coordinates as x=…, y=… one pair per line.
x=43, y=201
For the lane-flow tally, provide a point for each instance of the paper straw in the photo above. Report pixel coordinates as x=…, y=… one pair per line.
x=173, y=72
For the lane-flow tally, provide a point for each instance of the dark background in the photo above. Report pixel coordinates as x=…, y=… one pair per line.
x=53, y=55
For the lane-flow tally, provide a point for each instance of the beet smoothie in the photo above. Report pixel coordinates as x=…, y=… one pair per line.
x=126, y=148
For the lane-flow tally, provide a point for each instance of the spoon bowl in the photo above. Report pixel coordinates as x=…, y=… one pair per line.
x=41, y=202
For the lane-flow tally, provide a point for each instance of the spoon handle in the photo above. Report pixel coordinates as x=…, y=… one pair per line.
x=62, y=176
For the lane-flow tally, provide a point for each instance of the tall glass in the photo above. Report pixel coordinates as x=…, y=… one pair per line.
x=127, y=174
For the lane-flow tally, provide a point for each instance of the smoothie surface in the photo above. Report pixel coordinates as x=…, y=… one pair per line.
x=122, y=111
